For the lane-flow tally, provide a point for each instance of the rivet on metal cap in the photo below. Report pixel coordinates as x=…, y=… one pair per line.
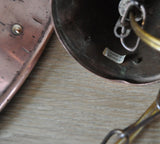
x=17, y=29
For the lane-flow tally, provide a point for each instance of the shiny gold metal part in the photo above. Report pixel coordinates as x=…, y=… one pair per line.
x=130, y=133
x=150, y=40
x=151, y=111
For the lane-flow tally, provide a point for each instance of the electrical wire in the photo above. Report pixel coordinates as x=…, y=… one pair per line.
x=150, y=40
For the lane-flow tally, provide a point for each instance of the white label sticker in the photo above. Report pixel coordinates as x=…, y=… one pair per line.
x=117, y=58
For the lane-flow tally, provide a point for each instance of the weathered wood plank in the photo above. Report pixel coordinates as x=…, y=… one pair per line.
x=62, y=102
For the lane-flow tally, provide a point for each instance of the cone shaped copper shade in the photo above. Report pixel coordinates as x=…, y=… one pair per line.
x=85, y=28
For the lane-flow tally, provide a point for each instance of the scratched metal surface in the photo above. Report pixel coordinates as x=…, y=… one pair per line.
x=63, y=103
x=18, y=54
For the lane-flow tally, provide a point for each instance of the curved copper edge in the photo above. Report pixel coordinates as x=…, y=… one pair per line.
x=25, y=62
x=108, y=79
x=66, y=46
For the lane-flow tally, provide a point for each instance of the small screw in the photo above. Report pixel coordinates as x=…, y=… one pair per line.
x=17, y=29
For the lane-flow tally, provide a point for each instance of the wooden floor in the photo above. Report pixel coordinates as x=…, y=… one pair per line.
x=63, y=103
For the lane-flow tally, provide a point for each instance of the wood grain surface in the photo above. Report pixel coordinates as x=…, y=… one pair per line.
x=63, y=103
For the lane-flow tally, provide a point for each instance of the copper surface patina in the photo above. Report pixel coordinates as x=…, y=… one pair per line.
x=20, y=52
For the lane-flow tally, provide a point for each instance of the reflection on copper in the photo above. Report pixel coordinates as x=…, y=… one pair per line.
x=19, y=53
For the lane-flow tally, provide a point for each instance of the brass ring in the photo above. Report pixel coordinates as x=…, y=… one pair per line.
x=143, y=35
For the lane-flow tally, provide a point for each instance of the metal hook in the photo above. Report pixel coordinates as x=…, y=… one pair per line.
x=142, y=9
x=124, y=32
x=119, y=132
x=121, y=23
x=131, y=132
x=130, y=49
